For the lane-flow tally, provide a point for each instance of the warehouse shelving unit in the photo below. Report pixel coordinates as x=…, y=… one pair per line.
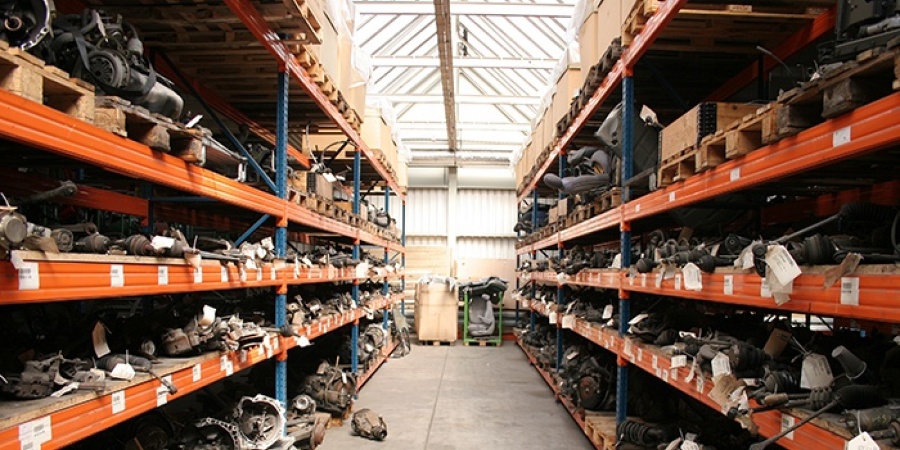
x=32, y=277
x=863, y=295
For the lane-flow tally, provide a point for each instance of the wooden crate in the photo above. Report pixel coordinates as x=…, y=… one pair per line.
x=702, y=120
x=156, y=131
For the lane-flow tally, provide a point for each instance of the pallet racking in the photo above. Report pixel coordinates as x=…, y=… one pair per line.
x=183, y=194
x=869, y=131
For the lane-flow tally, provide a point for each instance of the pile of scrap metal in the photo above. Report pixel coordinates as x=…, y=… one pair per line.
x=541, y=343
x=331, y=388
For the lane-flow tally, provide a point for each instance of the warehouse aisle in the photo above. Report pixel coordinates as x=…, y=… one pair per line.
x=460, y=398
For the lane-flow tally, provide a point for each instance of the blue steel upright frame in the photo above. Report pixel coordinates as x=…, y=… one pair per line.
x=386, y=288
x=354, y=333
x=403, y=256
x=560, y=287
x=281, y=226
x=534, y=215
x=625, y=238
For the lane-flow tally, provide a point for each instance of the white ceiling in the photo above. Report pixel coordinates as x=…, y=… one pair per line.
x=504, y=54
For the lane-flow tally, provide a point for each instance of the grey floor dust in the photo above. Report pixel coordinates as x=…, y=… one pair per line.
x=462, y=398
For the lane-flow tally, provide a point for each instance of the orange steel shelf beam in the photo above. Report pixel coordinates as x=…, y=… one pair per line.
x=828, y=204
x=820, y=26
x=604, y=221
x=76, y=277
x=641, y=43
x=653, y=361
x=382, y=358
x=864, y=130
x=255, y=22
x=70, y=422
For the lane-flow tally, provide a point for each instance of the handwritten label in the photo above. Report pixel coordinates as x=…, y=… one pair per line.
x=118, y=402
x=116, y=275
x=162, y=392
x=815, y=372
x=259, y=272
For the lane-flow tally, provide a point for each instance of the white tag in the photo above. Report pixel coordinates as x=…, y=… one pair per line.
x=116, y=275
x=678, y=281
x=671, y=196
x=640, y=354
x=689, y=445
x=162, y=396
x=735, y=174
x=693, y=280
x=229, y=368
x=782, y=264
x=840, y=137
x=728, y=288
x=631, y=279
x=223, y=274
x=552, y=317
x=700, y=384
x=303, y=341
x=638, y=318
x=196, y=373
x=863, y=442
x=259, y=274
x=162, y=275
x=243, y=273
x=655, y=362
x=637, y=208
x=850, y=291
x=629, y=347
x=787, y=422
x=679, y=361
x=98, y=335
x=643, y=280
x=198, y=275
x=659, y=279
x=118, y=402
x=764, y=290
x=673, y=374
x=122, y=372
x=29, y=276
x=568, y=321
x=616, y=262
x=721, y=365
x=162, y=242
x=33, y=434
x=242, y=357
x=272, y=275
x=816, y=372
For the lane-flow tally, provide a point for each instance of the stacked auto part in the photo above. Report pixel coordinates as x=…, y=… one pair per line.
x=331, y=388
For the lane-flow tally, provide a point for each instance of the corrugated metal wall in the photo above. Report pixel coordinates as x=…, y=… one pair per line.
x=426, y=212
x=484, y=213
x=485, y=248
x=413, y=241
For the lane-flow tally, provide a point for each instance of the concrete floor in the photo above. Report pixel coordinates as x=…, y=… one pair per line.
x=462, y=398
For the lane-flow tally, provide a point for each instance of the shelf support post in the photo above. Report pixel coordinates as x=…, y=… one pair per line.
x=386, y=288
x=534, y=214
x=354, y=333
x=281, y=163
x=560, y=287
x=403, y=256
x=625, y=241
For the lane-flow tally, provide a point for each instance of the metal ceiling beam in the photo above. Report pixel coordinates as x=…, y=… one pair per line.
x=467, y=9
x=445, y=52
x=475, y=126
x=474, y=147
x=462, y=99
x=465, y=63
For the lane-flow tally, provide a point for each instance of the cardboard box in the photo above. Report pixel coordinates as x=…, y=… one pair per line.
x=601, y=26
x=702, y=120
x=567, y=87
x=553, y=214
x=562, y=208
x=436, y=311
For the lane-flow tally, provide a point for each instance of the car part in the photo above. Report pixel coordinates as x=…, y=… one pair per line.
x=104, y=50
x=481, y=316
x=642, y=434
x=13, y=228
x=331, y=388
x=260, y=421
x=400, y=330
x=24, y=23
x=304, y=425
x=369, y=425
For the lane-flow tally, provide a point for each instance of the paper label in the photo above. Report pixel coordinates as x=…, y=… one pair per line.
x=29, y=276
x=568, y=322
x=654, y=362
x=787, y=422
x=735, y=174
x=162, y=396
x=122, y=372
x=118, y=402
x=259, y=276
x=198, y=275
x=678, y=281
x=701, y=383
x=664, y=374
x=643, y=280
x=33, y=434
x=638, y=318
x=689, y=445
x=196, y=373
x=629, y=348
x=243, y=274
x=777, y=342
x=116, y=275
x=98, y=336
x=162, y=275
x=815, y=373
x=616, y=262
x=850, y=291
x=272, y=274
x=728, y=288
x=640, y=354
x=679, y=361
x=303, y=341
x=782, y=264
x=552, y=318
x=764, y=290
x=693, y=280
x=672, y=196
x=721, y=365
x=863, y=442
x=659, y=279
x=840, y=137
x=607, y=312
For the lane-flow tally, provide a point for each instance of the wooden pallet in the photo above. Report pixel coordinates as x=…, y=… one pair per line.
x=27, y=76
x=436, y=343
x=610, y=199
x=873, y=75
x=485, y=343
x=158, y=132
x=677, y=168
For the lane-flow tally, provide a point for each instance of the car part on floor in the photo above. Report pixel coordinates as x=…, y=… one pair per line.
x=481, y=316
x=369, y=425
